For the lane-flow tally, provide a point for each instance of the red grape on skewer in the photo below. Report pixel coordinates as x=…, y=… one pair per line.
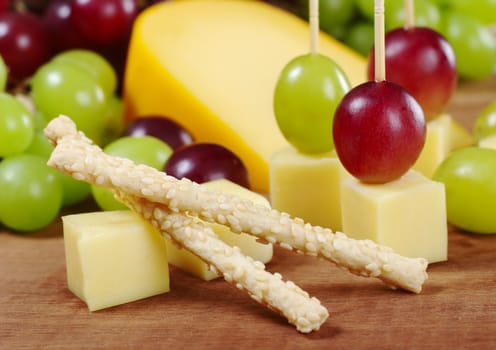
x=379, y=131
x=423, y=62
x=379, y=128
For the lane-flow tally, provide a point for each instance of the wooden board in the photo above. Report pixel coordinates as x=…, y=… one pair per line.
x=457, y=308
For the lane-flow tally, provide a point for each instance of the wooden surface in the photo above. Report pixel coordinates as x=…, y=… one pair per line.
x=456, y=310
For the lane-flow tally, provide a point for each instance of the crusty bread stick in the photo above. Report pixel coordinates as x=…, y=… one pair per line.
x=286, y=298
x=75, y=155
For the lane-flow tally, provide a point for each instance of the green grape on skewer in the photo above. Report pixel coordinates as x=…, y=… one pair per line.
x=306, y=95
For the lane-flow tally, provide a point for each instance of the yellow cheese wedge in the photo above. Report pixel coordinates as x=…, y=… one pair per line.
x=443, y=136
x=113, y=258
x=213, y=66
x=248, y=244
x=408, y=215
x=308, y=187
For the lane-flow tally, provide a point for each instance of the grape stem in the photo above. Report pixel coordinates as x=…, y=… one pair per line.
x=380, y=60
x=409, y=14
x=313, y=13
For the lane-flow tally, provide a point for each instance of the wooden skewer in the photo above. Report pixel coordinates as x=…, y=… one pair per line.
x=380, y=59
x=409, y=14
x=313, y=13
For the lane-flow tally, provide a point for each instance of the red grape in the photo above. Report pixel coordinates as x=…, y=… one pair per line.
x=203, y=162
x=379, y=131
x=4, y=5
x=423, y=62
x=23, y=44
x=58, y=24
x=104, y=21
x=165, y=129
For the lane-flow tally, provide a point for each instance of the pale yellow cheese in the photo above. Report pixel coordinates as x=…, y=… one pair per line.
x=213, y=67
x=436, y=147
x=113, y=258
x=459, y=136
x=307, y=186
x=443, y=135
x=408, y=215
x=248, y=244
x=488, y=142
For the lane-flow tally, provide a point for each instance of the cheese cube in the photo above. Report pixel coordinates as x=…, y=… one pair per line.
x=307, y=186
x=443, y=135
x=213, y=65
x=248, y=244
x=459, y=136
x=113, y=258
x=488, y=142
x=408, y=215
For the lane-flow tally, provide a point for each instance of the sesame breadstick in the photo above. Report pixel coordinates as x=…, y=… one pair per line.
x=301, y=310
x=75, y=155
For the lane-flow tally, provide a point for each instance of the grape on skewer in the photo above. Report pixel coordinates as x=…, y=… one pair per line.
x=379, y=128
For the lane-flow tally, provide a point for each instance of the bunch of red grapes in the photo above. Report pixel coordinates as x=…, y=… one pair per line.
x=34, y=30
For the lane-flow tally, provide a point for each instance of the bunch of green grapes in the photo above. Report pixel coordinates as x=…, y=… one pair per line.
x=465, y=24
x=78, y=83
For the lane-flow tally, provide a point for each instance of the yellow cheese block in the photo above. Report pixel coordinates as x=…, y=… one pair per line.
x=113, y=258
x=443, y=135
x=308, y=186
x=248, y=244
x=408, y=215
x=213, y=66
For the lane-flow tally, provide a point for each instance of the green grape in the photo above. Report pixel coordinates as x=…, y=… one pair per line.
x=31, y=193
x=474, y=46
x=146, y=150
x=306, y=95
x=114, y=120
x=74, y=191
x=16, y=126
x=337, y=32
x=365, y=8
x=444, y=4
x=334, y=16
x=426, y=14
x=39, y=120
x=335, y=11
x=104, y=198
x=360, y=37
x=39, y=145
x=483, y=10
x=468, y=176
x=96, y=65
x=63, y=88
x=485, y=123
x=3, y=74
